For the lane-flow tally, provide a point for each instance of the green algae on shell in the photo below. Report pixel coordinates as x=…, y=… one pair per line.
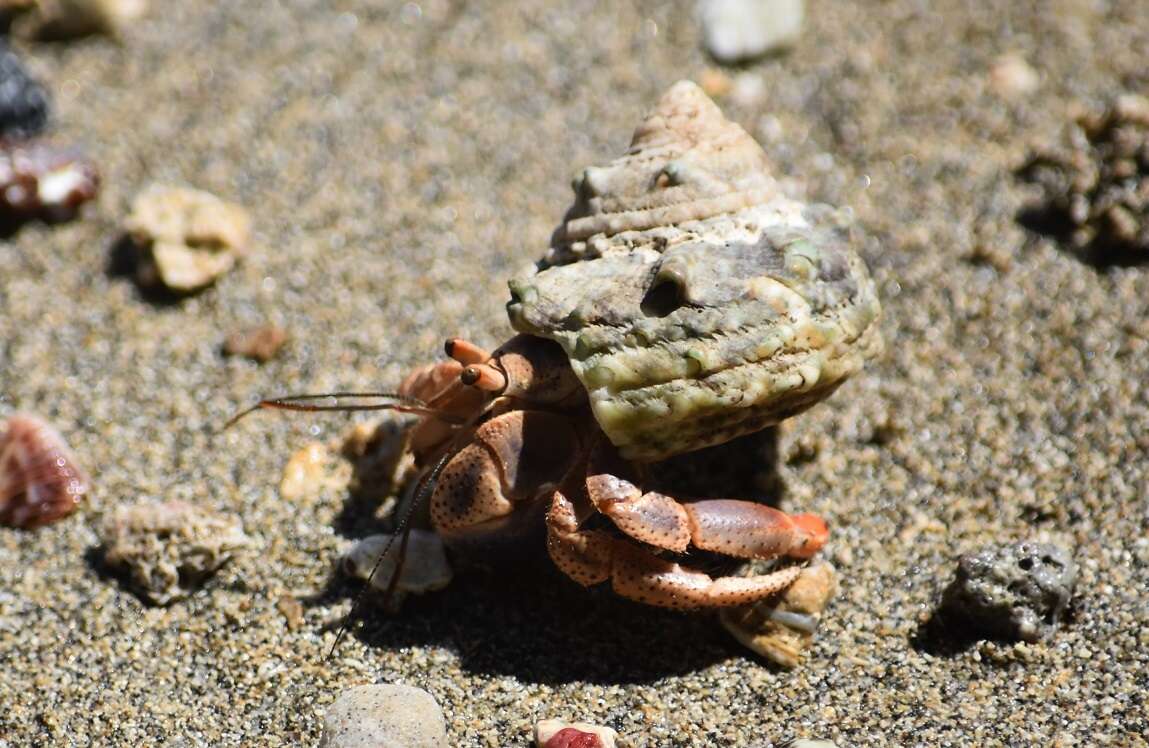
x=695, y=299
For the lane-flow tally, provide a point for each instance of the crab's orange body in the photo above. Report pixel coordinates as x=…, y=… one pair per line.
x=531, y=448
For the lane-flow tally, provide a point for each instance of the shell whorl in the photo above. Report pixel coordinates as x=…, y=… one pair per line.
x=695, y=299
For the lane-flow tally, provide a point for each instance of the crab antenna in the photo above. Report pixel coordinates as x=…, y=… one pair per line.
x=400, y=403
x=403, y=528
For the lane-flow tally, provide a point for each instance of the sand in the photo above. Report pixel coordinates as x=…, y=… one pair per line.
x=400, y=163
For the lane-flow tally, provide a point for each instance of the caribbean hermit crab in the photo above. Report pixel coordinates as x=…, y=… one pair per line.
x=685, y=300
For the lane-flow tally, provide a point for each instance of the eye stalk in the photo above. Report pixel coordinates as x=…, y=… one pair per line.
x=485, y=377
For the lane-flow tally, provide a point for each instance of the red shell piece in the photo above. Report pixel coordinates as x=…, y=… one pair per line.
x=569, y=737
x=40, y=481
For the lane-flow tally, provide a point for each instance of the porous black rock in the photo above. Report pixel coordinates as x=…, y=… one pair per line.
x=1014, y=592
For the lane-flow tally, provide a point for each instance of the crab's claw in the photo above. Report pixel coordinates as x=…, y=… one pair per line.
x=812, y=534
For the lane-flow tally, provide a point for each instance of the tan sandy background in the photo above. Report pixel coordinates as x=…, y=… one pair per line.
x=400, y=162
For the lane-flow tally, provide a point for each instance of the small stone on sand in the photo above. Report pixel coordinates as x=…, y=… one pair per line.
x=739, y=30
x=1015, y=592
x=425, y=566
x=170, y=549
x=186, y=238
x=310, y=470
x=384, y=715
x=1011, y=76
x=257, y=343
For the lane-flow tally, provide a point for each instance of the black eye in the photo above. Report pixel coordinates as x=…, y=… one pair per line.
x=665, y=296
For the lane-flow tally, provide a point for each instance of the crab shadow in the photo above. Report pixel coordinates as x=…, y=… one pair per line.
x=522, y=617
x=538, y=626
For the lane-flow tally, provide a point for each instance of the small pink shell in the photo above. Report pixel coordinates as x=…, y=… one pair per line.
x=40, y=481
x=555, y=733
x=569, y=737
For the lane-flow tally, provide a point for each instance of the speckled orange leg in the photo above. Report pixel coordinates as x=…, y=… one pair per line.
x=735, y=528
x=513, y=458
x=594, y=556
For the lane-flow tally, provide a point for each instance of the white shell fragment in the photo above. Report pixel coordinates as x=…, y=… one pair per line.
x=384, y=716
x=738, y=30
x=186, y=238
x=781, y=628
x=425, y=566
x=555, y=733
x=310, y=470
x=696, y=299
x=169, y=549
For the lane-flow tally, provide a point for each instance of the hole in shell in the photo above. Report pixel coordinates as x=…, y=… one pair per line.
x=664, y=297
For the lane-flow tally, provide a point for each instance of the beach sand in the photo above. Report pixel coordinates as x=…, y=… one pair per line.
x=400, y=163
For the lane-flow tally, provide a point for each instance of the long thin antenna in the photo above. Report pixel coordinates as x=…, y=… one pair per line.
x=426, y=485
x=401, y=403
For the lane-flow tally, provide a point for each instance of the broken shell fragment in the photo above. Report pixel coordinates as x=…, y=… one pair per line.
x=170, y=549
x=70, y=19
x=781, y=628
x=45, y=181
x=185, y=238
x=380, y=455
x=40, y=481
x=260, y=344
x=310, y=470
x=555, y=733
x=425, y=566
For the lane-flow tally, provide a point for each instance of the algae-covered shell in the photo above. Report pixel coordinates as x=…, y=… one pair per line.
x=696, y=300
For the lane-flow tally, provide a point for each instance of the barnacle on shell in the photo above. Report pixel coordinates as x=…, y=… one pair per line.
x=40, y=481
x=697, y=300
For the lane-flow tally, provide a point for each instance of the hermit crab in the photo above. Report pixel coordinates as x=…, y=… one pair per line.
x=685, y=300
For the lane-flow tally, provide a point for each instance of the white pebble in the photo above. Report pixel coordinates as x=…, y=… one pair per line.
x=736, y=30
x=384, y=716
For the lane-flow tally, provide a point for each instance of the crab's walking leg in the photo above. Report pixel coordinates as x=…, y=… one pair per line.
x=594, y=556
x=736, y=528
x=510, y=460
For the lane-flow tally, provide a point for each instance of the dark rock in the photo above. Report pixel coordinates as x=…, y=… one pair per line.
x=24, y=104
x=1012, y=592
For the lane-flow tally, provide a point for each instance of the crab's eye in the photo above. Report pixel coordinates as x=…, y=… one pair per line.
x=666, y=295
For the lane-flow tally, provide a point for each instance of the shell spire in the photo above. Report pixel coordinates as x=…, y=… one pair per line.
x=683, y=118
x=686, y=162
